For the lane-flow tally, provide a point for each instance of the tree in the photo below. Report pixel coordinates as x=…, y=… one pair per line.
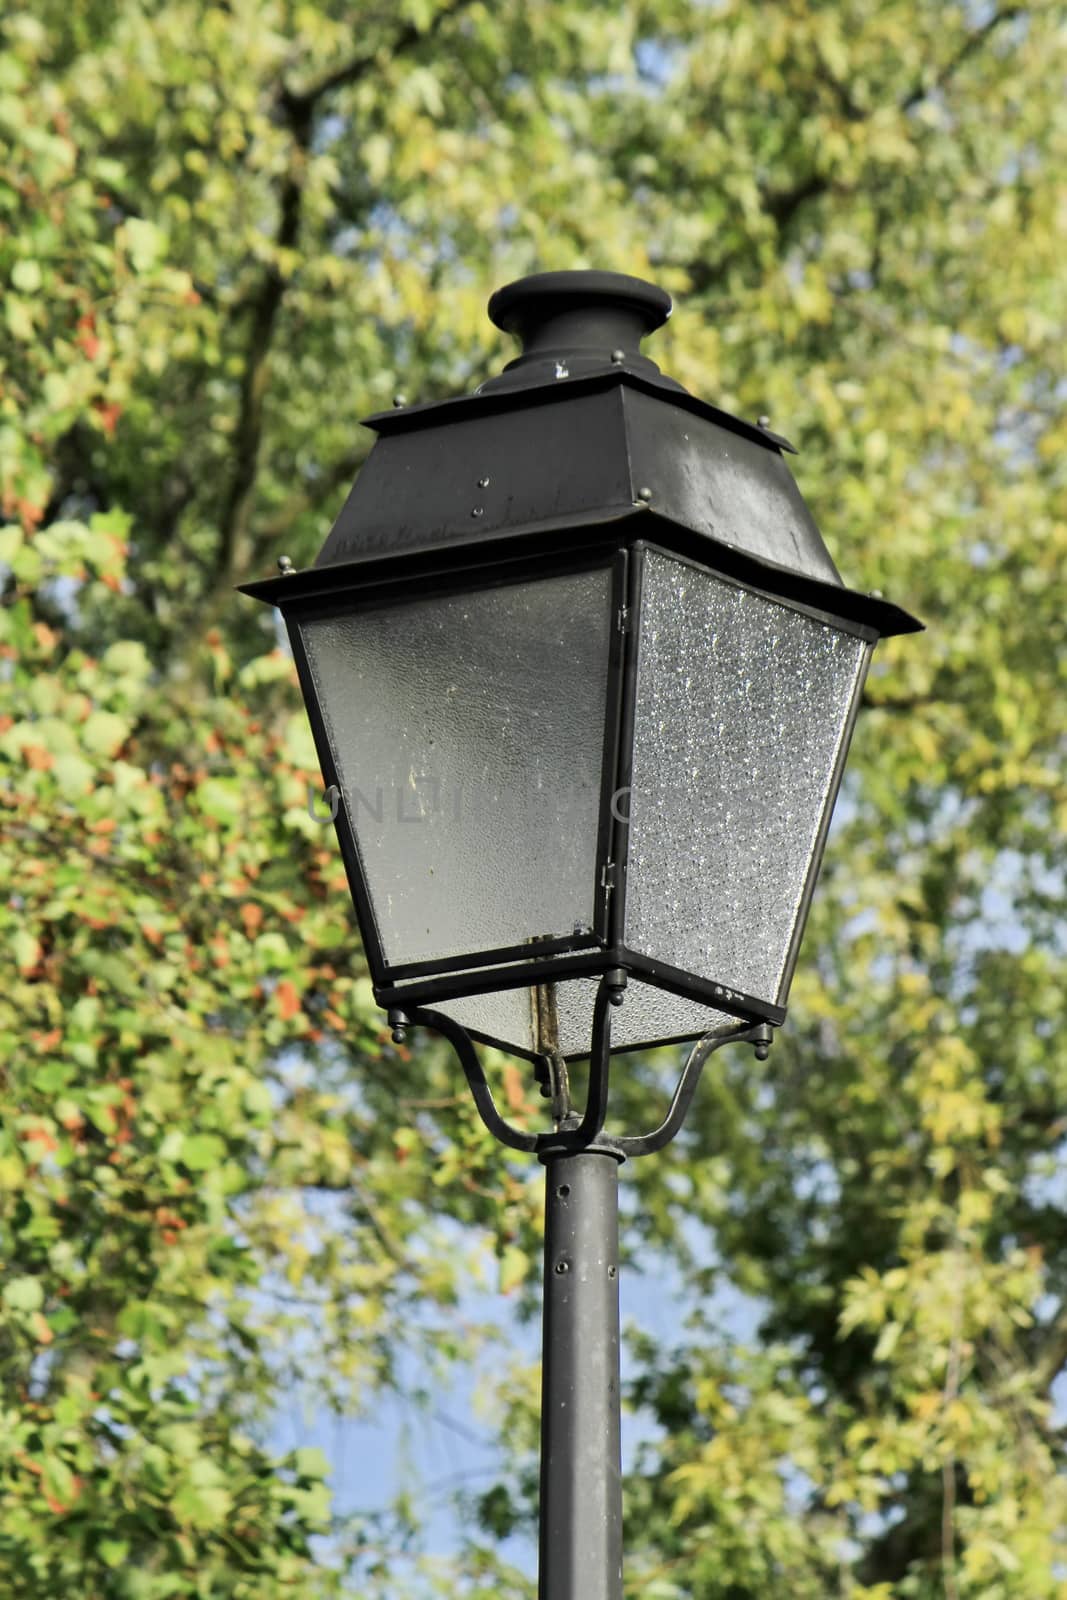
x=232, y=230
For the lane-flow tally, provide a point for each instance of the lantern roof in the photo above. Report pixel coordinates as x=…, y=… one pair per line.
x=582, y=431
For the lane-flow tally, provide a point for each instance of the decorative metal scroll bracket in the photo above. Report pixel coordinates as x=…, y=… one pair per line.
x=575, y=1133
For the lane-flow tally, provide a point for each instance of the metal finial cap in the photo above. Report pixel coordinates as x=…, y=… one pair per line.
x=530, y=306
x=572, y=323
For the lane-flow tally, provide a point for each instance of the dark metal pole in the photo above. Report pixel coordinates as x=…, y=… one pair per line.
x=581, y=1473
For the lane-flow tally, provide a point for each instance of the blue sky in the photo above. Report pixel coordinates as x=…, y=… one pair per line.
x=434, y=1450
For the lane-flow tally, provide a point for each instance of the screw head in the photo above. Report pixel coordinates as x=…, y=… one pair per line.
x=285, y=566
x=618, y=357
x=483, y=483
x=562, y=1266
x=644, y=494
x=477, y=511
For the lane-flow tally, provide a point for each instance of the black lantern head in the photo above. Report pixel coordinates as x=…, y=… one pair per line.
x=583, y=674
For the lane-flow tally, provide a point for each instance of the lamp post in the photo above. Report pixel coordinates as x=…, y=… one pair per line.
x=582, y=677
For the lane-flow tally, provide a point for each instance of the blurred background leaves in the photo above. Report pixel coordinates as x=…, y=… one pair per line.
x=227, y=232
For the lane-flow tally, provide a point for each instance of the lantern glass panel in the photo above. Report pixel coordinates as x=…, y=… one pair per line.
x=647, y=1016
x=742, y=710
x=467, y=731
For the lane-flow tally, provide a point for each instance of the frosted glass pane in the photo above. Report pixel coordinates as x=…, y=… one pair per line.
x=647, y=1016
x=505, y=1018
x=741, y=708
x=468, y=733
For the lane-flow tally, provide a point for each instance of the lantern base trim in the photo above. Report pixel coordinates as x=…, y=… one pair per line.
x=575, y=1133
x=582, y=963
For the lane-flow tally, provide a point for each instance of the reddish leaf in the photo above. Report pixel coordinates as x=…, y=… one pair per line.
x=287, y=999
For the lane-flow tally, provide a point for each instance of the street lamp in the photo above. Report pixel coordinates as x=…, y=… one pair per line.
x=582, y=677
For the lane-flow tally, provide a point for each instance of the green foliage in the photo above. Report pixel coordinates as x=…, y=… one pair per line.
x=226, y=233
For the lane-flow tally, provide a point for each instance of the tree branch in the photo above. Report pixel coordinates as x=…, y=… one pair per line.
x=352, y=71
x=973, y=42
x=902, y=702
x=264, y=307
x=1051, y=1357
x=782, y=205
x=297, y=108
